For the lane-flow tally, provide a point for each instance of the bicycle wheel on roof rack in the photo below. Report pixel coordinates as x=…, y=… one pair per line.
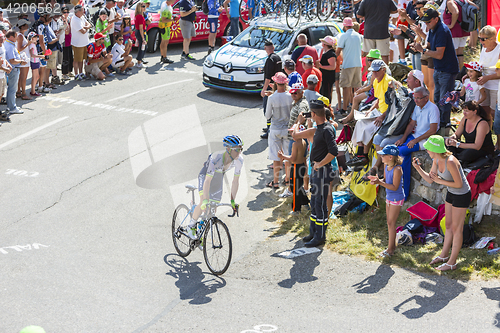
x=336, y=10
x=324, y=9
x=293, y=12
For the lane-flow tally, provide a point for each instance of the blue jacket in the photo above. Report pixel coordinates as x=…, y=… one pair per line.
x=213, y=6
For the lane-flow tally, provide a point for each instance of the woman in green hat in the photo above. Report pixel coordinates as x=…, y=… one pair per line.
x=446, y=170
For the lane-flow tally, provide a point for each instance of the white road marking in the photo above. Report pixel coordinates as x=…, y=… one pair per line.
x=38, y=129
x=53, y=99
x=152, y=88
x=20, y=248
x=298, y=252
x=21, y=173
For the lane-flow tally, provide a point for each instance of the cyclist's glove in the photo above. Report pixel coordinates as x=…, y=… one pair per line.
x=204, y=204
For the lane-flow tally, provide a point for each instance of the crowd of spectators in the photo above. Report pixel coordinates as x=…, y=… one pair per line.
x=396, y=118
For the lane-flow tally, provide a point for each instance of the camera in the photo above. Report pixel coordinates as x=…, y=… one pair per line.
x=307, y=114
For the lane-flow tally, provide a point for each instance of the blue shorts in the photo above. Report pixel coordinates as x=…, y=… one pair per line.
x=213, y=22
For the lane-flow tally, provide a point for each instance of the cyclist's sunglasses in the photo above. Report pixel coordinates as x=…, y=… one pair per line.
x=239, y=149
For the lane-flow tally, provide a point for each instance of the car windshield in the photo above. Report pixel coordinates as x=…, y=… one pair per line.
x=154, y=6
x=255, y=37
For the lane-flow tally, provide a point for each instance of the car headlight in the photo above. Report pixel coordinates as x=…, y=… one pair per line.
x=209, y=62
x=255, y=70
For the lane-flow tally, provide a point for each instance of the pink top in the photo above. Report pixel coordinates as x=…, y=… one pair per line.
x=33, y=50
x=457, y=31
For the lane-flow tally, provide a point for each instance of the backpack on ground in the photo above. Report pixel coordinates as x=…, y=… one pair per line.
x=469, y=236
x=204, y=7
x=470, y=16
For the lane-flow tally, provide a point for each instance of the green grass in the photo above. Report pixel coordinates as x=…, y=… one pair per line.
x=365, y=235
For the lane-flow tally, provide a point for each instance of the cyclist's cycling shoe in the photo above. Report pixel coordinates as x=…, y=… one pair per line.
x=191, y=232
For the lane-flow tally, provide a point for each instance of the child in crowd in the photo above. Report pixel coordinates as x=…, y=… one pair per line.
x=471, y=89
x=310, y=93
x=126, y=28
x=393, y=183
x=298, y=171
x=34, y=63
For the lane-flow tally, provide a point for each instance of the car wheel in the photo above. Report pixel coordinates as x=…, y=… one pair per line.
x=153, y=40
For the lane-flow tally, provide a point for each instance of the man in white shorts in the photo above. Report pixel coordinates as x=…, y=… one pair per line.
x=278, y=108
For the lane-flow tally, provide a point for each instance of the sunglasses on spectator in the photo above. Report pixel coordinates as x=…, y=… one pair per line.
x=370, y=60
x=120, y=38
x=482, y=39
x=418, y=8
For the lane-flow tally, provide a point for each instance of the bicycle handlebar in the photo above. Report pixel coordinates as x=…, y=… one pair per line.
x=235, y=209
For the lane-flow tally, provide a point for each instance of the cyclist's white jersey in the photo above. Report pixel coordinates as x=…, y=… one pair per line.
x=216, y=163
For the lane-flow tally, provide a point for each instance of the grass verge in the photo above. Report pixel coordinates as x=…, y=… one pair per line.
x=365, y=235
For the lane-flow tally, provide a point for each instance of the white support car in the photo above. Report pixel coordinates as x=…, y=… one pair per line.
x=239, y=65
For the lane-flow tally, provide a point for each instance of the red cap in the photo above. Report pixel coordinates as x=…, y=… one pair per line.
x=98, y=36
x=48, y=52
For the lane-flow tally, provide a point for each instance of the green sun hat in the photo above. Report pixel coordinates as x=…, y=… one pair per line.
x=435, y=143
x=146, y=1
x=375, y=54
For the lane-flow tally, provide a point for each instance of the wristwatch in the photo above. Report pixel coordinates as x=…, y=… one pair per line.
x=458, y=144
x=424, y=50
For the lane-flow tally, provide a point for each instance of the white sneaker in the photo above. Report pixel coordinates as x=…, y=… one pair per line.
x=65, y=77
x=191, y=232
x=46, y=90
x=286, y=193
x=139, y=65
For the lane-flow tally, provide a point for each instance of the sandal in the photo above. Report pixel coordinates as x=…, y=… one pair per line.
x=285, y=182
x=26, y=98
x=385, y=254
x=451, y=267
x=273, y=185
x=18, y=94
x=438, y=259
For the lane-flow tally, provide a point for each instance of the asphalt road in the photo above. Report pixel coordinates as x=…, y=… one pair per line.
x=91, y=175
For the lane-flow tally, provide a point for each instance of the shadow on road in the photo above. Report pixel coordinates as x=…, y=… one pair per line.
x=256, y=148
x=374, y=283
x=193, y=284
x=494, y=295
x=303, y=268
x=227, y=98
x=444, y=289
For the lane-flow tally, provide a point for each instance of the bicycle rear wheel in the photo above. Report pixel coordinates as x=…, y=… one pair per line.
x=324, y=8
x=293, y=10
x=244, y=11
x=181, y=217
x=217, y=247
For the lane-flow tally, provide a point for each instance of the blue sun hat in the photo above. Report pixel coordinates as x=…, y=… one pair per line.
x=389, y=150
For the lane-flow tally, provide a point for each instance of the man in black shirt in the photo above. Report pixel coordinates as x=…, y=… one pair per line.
x=324, y=150
x=271, y=67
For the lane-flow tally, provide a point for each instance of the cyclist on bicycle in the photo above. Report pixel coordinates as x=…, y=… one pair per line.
x=210, y=179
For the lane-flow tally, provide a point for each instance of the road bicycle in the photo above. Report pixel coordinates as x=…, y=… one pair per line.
x=212, y=234
x=311, y=9
x=262, y=8
x=339, y=7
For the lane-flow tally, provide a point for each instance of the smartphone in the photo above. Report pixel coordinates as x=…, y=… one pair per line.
x=307, y=114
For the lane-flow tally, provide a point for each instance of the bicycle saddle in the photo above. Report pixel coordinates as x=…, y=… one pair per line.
x=190, y=187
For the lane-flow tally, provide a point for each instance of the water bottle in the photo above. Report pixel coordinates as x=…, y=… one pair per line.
x=143, y=47
x=200, y=226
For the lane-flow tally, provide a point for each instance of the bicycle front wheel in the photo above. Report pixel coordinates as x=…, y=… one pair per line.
x=181, y=218
x=293, y=9
x=217, y=247
x=325, y=8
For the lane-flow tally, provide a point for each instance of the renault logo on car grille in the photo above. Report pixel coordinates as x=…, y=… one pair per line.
x=228, y=67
